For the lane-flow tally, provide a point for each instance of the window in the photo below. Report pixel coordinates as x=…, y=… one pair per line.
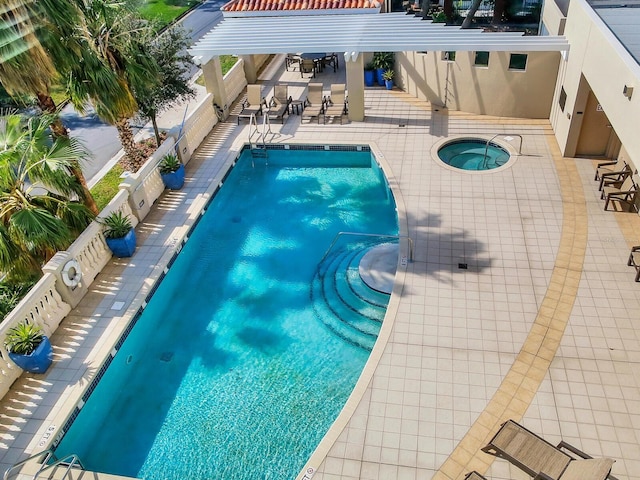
x=449, y=56
x=562, y=100
x=482, y=59
x=518, y=61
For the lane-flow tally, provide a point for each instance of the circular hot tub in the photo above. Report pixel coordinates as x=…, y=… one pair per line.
x=473, y=154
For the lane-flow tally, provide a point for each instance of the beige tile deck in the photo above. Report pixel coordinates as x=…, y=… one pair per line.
x=540, y=327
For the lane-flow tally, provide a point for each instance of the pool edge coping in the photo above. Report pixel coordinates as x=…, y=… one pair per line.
x=121, y=323
x=513, y=153
x=362, y=384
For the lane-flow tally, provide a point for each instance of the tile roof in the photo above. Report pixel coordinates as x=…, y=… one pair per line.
x=291, y=5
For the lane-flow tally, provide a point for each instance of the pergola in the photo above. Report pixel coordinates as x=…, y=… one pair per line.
x=286, y=32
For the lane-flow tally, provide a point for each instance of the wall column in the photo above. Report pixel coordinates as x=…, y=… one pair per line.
x=214, y=83
x=355, y=85
x=250, y=70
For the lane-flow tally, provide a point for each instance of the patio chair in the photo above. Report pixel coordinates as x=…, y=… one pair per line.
x=624, y=193
x=336, y=104
x=291, y=61
x=606, y=167
x=543, y=461
x=308, y=65
x=331, y=59
x=615, y=179
x=634, y=260
x=252, y=105
x=314, y=104
x=279, y=104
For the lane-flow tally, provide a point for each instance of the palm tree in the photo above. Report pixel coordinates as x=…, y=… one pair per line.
x=41, y=209
x=27, y=67
x=114, y=62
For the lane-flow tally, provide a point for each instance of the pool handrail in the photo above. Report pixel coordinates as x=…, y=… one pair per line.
x=339, y=234
x=70, y=461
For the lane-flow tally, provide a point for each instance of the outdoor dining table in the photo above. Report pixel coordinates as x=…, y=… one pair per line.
x=316, y=57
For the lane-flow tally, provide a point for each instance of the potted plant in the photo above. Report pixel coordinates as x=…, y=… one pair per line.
x=388, y=78
x=29, y=348
x=369, y=74
x=382, y=61
x=119, y=234
x=172, y=171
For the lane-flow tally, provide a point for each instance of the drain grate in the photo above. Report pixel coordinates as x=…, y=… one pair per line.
x=166, y=356
x=462, y=266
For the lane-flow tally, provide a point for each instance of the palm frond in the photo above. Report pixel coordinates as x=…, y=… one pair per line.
x=39, y=231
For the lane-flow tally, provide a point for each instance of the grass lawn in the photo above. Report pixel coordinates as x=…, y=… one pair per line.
x=107, y=187
x=226, y=62
x=165, y=11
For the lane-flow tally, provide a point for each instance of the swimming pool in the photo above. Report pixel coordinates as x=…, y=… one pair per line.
x=230, y=372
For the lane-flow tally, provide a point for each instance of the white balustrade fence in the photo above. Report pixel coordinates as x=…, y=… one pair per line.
x=50, y=300
x=43, y=306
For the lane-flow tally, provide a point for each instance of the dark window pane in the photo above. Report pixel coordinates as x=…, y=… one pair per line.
x=482, y=59
x=518, y=61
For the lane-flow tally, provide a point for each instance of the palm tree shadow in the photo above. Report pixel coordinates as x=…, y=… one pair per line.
x=440, y=254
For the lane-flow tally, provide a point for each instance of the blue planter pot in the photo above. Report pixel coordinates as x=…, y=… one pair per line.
x=37, y=361
x=388, y=84
x=174, y=180
x=369, y=77
x=380, y=78
x=123, y=247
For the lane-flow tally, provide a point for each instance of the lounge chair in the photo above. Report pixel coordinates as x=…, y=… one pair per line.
x=279, y=104
x=624, y=193
x=474, y=476
x=336, y=104
x=314, y=104
x=608, y=179
x=634, y=260
x=252, y=105
x=607, y=167
x=308, y=65
x=540, y=459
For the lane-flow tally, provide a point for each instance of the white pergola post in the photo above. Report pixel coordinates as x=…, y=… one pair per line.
x=250, y=70
x=214, y=83
x=355, y=85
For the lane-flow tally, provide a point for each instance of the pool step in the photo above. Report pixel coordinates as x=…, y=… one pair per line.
x=343, y=302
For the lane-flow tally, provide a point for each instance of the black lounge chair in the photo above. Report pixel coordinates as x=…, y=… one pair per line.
x=253, y=104
x=543, y=461
x=624, y=193
x=634, y=260
x=279, y=104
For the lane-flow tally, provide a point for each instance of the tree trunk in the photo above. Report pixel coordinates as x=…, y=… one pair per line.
x=46, y=104
x=134, y=159
x=89, y=202
x=499, y=8
x=156, y=131
x=472, y=11
x=448, y=10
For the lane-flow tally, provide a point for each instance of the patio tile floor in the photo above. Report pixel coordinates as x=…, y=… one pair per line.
x=539, y=327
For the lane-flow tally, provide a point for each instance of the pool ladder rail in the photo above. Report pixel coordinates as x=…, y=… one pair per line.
x=37, y=466
x=259, y=148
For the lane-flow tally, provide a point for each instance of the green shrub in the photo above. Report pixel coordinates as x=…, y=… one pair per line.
x=11, y=294
x=169, y=163
x=117, y=225
x=24, y=338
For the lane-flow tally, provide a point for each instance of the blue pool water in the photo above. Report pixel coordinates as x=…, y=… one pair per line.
x=473, y=154
x=235, y=369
